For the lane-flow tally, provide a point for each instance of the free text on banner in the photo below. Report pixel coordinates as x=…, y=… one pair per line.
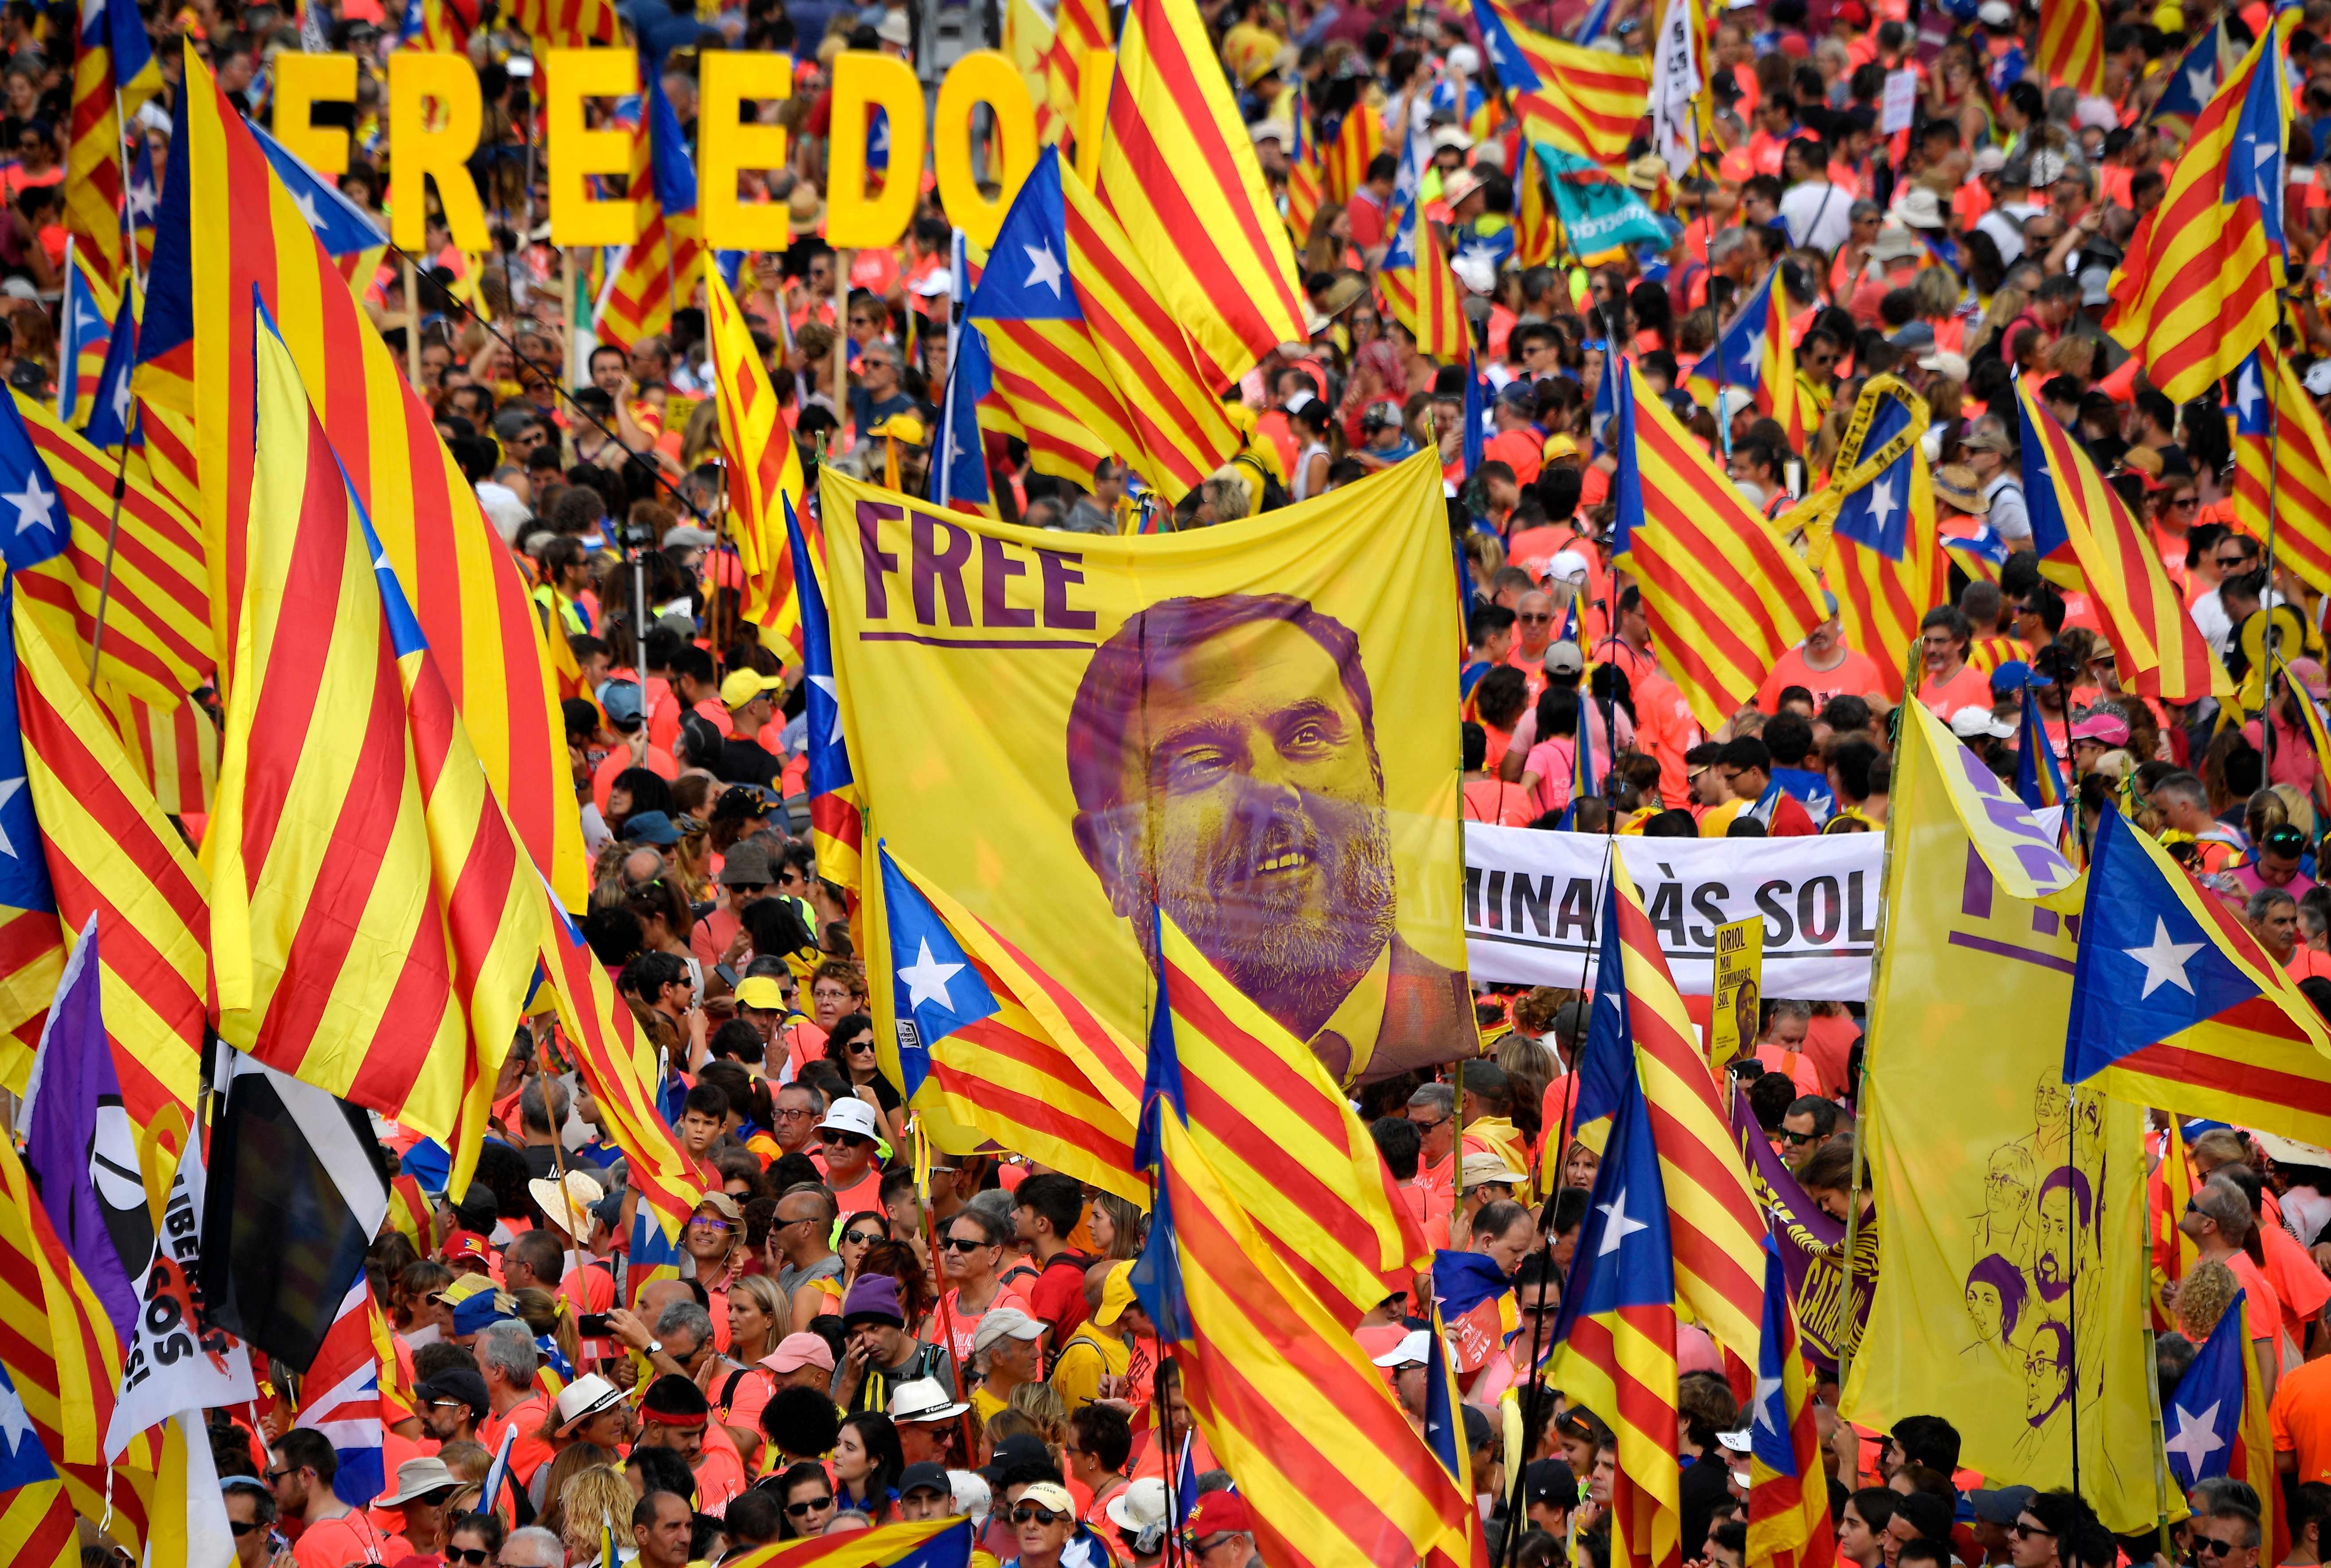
x=1235, y=723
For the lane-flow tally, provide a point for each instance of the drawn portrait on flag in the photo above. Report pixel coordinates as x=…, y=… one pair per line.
x=1067, y=731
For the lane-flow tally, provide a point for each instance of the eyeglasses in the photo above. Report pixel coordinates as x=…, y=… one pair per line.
x=477, y=1556
x=861, y=1237
x=789, y=1115
x=708, y=1222
x=2023, y=1532
x=1797, y=1140
x=2182, y=502
x=275, y=1476
x=242, y=1527
x=1533, y=619
x=1029, y=1513
x=1422, y=1127
x=802, y=1510
x=958, y=1244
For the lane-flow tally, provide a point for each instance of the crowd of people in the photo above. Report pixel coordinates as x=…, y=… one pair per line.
x=841, y=1350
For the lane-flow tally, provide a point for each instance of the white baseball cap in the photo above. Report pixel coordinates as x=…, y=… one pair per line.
x=1413, y=1350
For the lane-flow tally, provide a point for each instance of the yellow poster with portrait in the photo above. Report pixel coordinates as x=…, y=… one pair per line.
x=1253, y=726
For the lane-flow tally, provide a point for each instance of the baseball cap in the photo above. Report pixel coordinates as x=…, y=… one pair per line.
x=925, y=1476
x=463, y=1244
x=620, y=702
x=2317, y=380
x=1564, y=659
x=2001, y=1505
x=1116, y=1295
x=1049, y=1495
x=761, y=992
x=1218, y=1514
x=651, y=828
x=743, y=685
x=1550, y=1481
x=796, y=1351
x=1380, y=415
x=2105, y=728
x=1412, y=1350
x=2015, y=676
x=1972, y=721
x=474, y=1312
x=455, y=1385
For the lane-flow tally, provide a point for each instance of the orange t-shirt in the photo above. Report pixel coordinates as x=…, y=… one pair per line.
x=351, y=1538
x=531, y=1451
x=1970, y=688
x=659, y=761
x=2300, y=1417
x=1494, y=801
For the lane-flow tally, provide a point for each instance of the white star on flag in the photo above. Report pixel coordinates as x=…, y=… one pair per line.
x=1045, y=268
x=15, y=1426
x=122, y=401
x=142, y=201
x=2246, y=389
x=8, y=788
x=826, y=683
x=926, y=979
x=2164, y=961
x=2197, y=1435
x=1882, y=504
x=2202, y=81
x=35, y=505
x=1768, y=1403
x=306, y=205
x=1619, y=1227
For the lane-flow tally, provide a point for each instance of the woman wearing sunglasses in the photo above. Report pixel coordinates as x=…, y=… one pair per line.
x=474, y=1541
x=808, y=1499
x=851, y=1047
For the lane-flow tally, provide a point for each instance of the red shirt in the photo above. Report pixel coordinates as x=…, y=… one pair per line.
x=531, y=1451
x=1058, y=1295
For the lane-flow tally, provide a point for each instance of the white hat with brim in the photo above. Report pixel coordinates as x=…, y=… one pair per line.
x=923, y=1400
x=1413, y=1350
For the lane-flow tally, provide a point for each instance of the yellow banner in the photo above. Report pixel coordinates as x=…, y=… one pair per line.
x=2012, y=1273
x=1242, y=719
x=1739, y=993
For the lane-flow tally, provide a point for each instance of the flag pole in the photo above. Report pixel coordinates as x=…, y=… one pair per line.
x=113, y=541
x=1537, y=1398
x=2270, y=641
x=121, y=148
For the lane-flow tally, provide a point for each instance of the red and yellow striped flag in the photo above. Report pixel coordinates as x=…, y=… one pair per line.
x=658, y=272
x=112, y=856
x=1537, y=234
x=1725, y=596
x=114, y=73
x=172, y=751
x=2073, y=45
x=2085, y=536
x=930, y=1543
x=64, y=1355
x=566, y=24
x=1081, y=30
x=1359, y=138
x=1422, y=292
x=1587, y=101
x=2282, y=450
x=375, y=924
x=1325, y=1457
x=2196, y=293
x=38, y=1528
x=245, y=232
x=159, y=640
x=1179, y=173
x=764, y=471
x=1788, y=1468
x=1306, y=177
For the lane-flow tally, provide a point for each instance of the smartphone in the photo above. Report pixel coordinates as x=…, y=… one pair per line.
x=593, y=1325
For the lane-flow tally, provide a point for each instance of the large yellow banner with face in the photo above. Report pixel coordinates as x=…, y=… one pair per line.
x=1253, y=724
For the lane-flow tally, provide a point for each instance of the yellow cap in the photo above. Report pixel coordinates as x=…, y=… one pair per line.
x=743, y=685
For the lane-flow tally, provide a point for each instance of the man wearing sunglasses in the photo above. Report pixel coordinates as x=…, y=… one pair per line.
x=1810, y=1122
x=848, y=1135
x=1043, y=1520
x=249, y=1514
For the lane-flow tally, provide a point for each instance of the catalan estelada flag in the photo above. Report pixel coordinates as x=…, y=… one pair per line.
x=1277, y=1131
x=1754, y=351
x=930, y=1543
x=111, y=855
x=1081, y=30
x=2282, y=448
x=232, y=225
x=999, y=1046
x=2310, y=719
x=1587, y=101
x=142, y=204
x=443, y=25
x=1083, y=356
x=114, y=73
x=84, y=333
x=1725, y=595
x=1283, y=1394
x=1307, y=177
x=112, y=411
x=1179, y=171
x=1615, y=1338
x=1420, y=291
x=2175, y=1003
x=764, y=471
x=2215, y=1424
x=173, y=751
x=2166, y=1188
x=2073, y=45
x=375, y=928
x=1884, y=563
x=620, y=1070
x=2085, y=538
x=2196, y=294
x=1788, y=1476
x=836, y=825
x=657, y=272
x=1359, y=138
x=1716, y=1227
x=2039, y=779
x=60, y=1353
x=2188, y=87
x=58, y=492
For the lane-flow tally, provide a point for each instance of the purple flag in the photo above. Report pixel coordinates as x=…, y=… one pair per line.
x=79, y=1145
x=1811, y=1247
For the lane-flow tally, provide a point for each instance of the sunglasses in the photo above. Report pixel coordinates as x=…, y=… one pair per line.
x=829, y=1135
x=1029, y=1513
x=2211, y=1546
x=1798, y=1140
x=861, y=1237
x=275, y=1476
x=802, y=1510
x=242, y=1527
x=708, y=1222
x=855, y=1046
x=476, y=1557
x=958, y=1244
